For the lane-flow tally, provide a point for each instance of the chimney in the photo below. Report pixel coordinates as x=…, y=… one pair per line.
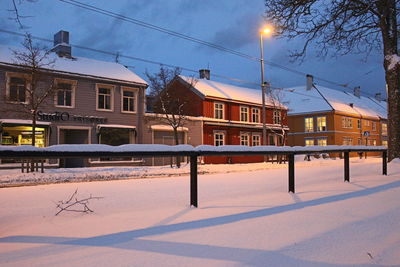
x=310, y=82
x=61, y=44
x=378, y=96
x=357, y=91
x=204, y=74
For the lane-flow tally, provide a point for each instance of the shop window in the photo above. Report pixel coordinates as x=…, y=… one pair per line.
x=321, y=124
x=244, y=139
x=255, y=114
x=129, y=97
x=115, y=137
x=244, y=113
x=308, y=125
x=105, y=97
x=16, y=90
x=256, y=140
x=277, y=117
x=65, y=93
x=22, y=135
x=219, y=139
x=218, y=110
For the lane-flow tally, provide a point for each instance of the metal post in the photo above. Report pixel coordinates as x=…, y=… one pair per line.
x=263, y=111
x=346, y=167
x=193, y=181
x=291, y=173
x=384, y=162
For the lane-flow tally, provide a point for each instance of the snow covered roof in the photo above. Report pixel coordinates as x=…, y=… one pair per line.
x=322, y=99
x=80, y=66
x=208, y=88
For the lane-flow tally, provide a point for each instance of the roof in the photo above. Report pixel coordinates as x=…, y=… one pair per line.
x=80, y=66
x=208, y=88
x=323, y=99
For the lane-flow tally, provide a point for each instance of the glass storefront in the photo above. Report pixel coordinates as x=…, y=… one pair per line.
x=22, y=135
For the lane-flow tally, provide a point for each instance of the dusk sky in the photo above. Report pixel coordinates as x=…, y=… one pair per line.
x=231, y=24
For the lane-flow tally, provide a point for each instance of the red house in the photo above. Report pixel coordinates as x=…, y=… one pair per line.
x=231, y=115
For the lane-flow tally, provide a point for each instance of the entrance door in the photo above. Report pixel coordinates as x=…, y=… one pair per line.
x=74, y=136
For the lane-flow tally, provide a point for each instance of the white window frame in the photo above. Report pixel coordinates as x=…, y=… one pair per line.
x=309, y=139
x=219, y=111
x=347, y=123
x=244, y=110
x=374, y=126
x=10, y=75
x=256, y=140
x=320, y=126
x=347, y=141
x=73, y=90
x=320, y=139
x=135, y=101
x=366, y=122
x=107, y=86
x=244, y=139
x=311, y=123
x=276, y=117
x=219, y=133
x=255, y=115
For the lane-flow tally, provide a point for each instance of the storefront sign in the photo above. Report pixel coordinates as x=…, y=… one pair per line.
x=65, y=116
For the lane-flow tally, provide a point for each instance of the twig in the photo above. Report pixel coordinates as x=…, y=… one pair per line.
x=74, y=201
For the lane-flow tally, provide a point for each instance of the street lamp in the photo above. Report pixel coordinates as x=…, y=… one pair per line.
x=266, y=31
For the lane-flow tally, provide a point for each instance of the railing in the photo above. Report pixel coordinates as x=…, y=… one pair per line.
x=92, y=151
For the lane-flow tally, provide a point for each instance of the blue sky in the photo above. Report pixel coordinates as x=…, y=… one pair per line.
x=233, y=24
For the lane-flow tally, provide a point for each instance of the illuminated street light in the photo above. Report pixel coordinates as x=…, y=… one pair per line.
x=266, y=31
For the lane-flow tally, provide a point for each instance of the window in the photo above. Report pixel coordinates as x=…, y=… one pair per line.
x=366, y=123
x=277, y=117
x=309, y=142
x=384, y=143
x=371, y=142
x=218, y=111
x=105, y=97
x=384, y=129
x=244, y=139
x=360, y=142
x=373, y=126
x=322, y=141
x=256, y=140
x=219, y=139
x=65, y=93
x=272, y=139
x=347, y=122
x=308, y=124
x=129, y=97
x=244, y=114
x=321, y=124
x=115, y=137
x=358, y=124
x=255, y=114
x=347, y=141
x=16, y=89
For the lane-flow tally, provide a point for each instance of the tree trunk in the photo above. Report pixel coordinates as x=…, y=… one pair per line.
x=176, y=137
x=388, y=25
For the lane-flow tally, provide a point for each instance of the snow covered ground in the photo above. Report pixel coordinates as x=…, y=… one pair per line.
x=245, y=218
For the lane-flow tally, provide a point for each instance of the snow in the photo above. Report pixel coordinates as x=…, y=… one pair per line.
x=17, y=121
x=80, y=66
x=115, y=126
x=209, y=88
x=323, y=99
x=243, y=219
x=160, y=127
x=394, y=60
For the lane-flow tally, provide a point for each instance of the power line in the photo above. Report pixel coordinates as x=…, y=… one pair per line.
x=189, y=38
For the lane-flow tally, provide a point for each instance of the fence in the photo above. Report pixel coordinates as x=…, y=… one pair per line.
x=91, y=151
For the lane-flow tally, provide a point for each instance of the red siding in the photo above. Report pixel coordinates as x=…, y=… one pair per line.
x=195, y=106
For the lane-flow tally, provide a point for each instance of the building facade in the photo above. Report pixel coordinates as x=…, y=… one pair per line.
x=92, y=102
x=231, y=115
x=322, y=116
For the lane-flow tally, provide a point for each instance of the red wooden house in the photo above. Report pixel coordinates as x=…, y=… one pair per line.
x=231, y=115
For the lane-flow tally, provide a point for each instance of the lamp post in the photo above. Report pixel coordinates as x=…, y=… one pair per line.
x=266, y=31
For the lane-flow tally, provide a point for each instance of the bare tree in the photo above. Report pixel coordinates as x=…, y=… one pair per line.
x=169, y=103
x=16, y=15
x=35, y=61
x=347, y=26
